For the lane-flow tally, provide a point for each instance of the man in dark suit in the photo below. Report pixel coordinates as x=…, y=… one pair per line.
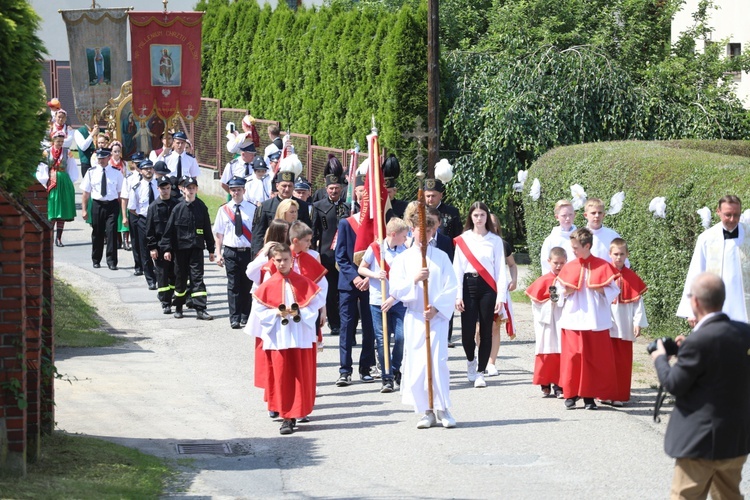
x=353, y=295
x=450, y=219
x=265, y=213
x=709, y=430
x=325, y=222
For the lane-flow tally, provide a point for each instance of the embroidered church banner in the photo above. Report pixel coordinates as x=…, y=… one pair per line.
x=97, y=39
x=166, y=59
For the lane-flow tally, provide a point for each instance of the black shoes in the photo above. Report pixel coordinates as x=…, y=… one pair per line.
x=235, y=326
x=152, y=287
x=570, y=403
x=335, y=331
x=138, y=273
x=59, y=243
x=178, y=312
x=589, y=404
x=287, y=427
x=344, y=380
x=202, y=314
x=273, y=414
x=97, y=265
x=167, y=309
x=366, y=378
x=387, y=386
x=112, y=267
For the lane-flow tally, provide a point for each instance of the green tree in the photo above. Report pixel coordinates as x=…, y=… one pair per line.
x=21, y=94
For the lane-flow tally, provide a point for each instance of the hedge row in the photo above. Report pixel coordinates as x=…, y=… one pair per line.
x=21, y=95
x=690, y=174
x=322, y=71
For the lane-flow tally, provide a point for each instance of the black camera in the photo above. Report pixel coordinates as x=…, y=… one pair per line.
x=553, y=295
x=669, y=345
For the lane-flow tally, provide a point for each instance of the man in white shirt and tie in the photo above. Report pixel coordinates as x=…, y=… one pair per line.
x=102, y=184
x=241, y=166
x=179, y=162
x=141, y=195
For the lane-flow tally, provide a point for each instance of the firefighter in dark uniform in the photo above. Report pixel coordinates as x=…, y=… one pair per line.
x=265, y=213
x=156, y=222
x=325, y=222
x=232, y=228
x=391, y=171
x=187, y=233
x=450, y=219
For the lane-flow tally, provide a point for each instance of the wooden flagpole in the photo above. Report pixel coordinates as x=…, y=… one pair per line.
x=425, y=283
x=375, y=172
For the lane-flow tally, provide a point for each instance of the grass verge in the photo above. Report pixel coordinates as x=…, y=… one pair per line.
x=81, y=467
x=519, y=297
x=76, y=322
x=213, y=203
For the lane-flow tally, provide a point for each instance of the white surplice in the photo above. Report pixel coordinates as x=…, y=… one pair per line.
x=729, y=259
x=557, y=238
x=625, y=317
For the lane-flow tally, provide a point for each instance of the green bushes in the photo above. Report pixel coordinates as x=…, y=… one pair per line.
x=21, y=95
x=690, y=174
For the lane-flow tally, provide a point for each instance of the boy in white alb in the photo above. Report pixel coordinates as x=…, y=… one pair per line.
x=407, y=285
x=628, y=317
x=547, y=312
x=560, y=235
x=603, y=236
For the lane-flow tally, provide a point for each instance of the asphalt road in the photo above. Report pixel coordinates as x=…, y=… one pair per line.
x=185, y=381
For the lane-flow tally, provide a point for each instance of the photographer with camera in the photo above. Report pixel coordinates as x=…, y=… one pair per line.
x=709, y=429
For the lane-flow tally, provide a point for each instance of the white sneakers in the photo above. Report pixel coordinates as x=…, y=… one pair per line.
x=446, y=419
x=471, y=370
x=491, y=370
x=427, y=420
x=479, y=381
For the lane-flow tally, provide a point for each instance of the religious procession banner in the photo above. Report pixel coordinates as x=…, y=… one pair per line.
x=97, y=39
x=166, y=59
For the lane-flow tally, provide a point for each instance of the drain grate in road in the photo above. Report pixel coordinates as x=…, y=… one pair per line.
x=203, y=448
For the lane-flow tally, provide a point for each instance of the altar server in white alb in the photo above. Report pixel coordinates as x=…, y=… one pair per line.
x=560, y=235
x=724, y=250
x=603, y=236
x=628, y=318
x=407, y=285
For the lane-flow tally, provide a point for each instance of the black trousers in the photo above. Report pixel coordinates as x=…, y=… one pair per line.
x=238, y=284
x=133, y=230
x=104, y=223
x=164, y=271
x=479, y=303
x=141, y=255
x=332, y=298
x=188, y=264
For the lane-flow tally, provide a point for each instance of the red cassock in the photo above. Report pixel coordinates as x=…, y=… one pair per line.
x=290, y=373
x=632, y=288
x=546, y=365
x=587, y=364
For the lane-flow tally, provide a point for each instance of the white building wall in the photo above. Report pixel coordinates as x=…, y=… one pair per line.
x=730, y=21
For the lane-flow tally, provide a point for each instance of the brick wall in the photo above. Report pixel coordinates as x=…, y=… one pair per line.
x=24, y=234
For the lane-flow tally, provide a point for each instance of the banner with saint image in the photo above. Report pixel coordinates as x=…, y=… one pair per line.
x=166, y=59
x=97, y=39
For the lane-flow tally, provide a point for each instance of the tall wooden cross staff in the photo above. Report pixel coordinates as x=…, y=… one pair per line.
x=419, y=134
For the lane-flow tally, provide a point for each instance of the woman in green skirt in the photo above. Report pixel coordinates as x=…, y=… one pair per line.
x=61, y=202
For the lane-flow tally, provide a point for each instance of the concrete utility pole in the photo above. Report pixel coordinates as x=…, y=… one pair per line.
x=433, y=87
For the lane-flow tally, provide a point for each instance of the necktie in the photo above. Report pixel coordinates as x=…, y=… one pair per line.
x=730, y=235
x=150, y=193
x=247, y=170
x=237, y=221
x=104, y=182
x=179, y=168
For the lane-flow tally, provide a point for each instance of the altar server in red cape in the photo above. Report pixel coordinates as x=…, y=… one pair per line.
x=628, y=317
x=546, y=325
x=587, y=364
x=259, y=270
x=287, y=307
